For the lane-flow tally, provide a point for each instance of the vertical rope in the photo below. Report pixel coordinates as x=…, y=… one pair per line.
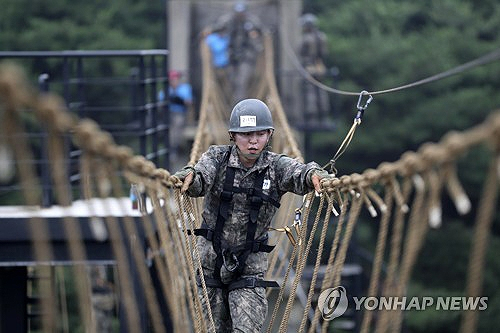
x=312, y=285
x=418, y=227
x=282, y=289
x=30, y=185
x=480, y=242
x=328, y=278
x=171, y=276
x=379, y=255
x=390, y=282
x=172, y=235
x=191, y=247
x=301, y=261
x=357, y=203
x=167, y=269
x=63, y=197
x=188, y=205
x=129, y=299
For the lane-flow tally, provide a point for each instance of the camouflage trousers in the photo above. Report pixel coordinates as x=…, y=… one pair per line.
x=239, y=310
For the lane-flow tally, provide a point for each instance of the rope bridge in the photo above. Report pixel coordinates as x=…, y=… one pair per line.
x=403, y=196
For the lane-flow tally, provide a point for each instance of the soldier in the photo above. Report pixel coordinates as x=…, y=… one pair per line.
x=245, y=46
x=242, y=184
x=313, y=50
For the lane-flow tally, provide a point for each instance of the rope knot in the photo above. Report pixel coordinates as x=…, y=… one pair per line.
x=371, y=176
x=411, y=163
x=433, y=153
x=84, y=131
x=454, y=143
x=52, y=110
x=387, y=170
x=123, y=154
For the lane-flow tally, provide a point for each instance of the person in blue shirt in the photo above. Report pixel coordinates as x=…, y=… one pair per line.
x=180, y=96
x=218, y=43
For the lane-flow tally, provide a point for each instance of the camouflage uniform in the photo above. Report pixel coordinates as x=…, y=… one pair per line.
x=243, y=309
x=245, y=46
x=313, y=49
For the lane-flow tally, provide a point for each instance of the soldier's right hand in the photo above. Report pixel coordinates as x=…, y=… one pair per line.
x=185, y=175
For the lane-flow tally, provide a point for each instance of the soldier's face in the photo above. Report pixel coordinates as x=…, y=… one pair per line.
x=252, y=143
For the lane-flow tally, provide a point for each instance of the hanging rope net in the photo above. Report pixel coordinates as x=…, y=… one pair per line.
x=404, y=197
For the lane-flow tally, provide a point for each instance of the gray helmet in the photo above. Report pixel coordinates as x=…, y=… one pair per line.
x=239, y=7
x=250, y=115
x=309, y=20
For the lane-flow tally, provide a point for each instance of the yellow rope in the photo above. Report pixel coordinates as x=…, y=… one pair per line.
x=378, y=257
x=328, y=277
x=312, y=285
x=480, y=242
x=12, y=126
x=301, y=261
x=435, y=162
x=119, y=250
x=357, y=203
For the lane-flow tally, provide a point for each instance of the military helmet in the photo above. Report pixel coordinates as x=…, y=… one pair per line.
x=309, y=20
x=250, y=115
x=239, y=7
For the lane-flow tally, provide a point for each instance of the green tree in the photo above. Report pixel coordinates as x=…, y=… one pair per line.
x=40, y=25
x=378, y=45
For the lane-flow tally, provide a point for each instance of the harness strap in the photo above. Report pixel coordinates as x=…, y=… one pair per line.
x=257, y=192
x=256, y=198
x=255, y=204
x=213, y=283
x=247, y=282
x=258, y=245
x=226, y=198
x=251, y=282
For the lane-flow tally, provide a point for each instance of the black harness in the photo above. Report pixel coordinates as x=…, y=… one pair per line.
x=238, y=254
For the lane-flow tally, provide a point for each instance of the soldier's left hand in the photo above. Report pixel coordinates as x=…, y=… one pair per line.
x=316, y=180
x=187, y=182
x=317, y=176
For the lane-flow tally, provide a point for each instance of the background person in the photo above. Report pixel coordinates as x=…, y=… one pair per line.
x=313, y=49
x=180, y=96
x=218, y=43
x=245, y=46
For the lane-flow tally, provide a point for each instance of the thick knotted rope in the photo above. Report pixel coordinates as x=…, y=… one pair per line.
x=105, y=165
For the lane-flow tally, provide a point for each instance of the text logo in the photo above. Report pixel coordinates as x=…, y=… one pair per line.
x=333, y=302
x=447, y=303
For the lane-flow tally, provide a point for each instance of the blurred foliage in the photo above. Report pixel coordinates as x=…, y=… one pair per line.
x=377, y=45
x=384, y=44
x=40, y=25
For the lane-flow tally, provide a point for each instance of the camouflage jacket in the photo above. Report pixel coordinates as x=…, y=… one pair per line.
x=283, y=174
x=313, y=47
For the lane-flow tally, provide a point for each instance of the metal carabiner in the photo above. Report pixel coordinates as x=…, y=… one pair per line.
x=298, y=215
x=297, y=223
x=361, y=109
x=234, y=257
x=286, y=229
